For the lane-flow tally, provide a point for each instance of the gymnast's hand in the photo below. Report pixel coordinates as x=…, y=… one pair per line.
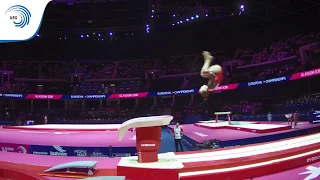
x=207, y=55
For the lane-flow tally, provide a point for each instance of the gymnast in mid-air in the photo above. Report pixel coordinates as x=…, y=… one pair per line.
x=214, y=73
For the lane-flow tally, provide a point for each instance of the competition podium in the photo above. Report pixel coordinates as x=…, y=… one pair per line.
x=148, y=135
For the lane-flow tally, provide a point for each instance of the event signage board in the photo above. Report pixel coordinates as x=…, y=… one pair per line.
x=300, y=75
x=17, y=148
x=82, y=151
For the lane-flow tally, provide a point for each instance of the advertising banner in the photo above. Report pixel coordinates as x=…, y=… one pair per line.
x=124, y=151
x=129, y=95
x=12, y=95
x=44, y=96
x=17, y=148
x=48, y=150
x=305, y=74
x=82, y=151
x=225, y=87
x=88, y=151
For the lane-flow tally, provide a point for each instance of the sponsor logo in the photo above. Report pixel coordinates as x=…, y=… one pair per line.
x=121, y=154
x=310, y=73
x=221, y=88
x=97, y=154
x=7, y=149
x=43, y=96
x=255, y=83
x=77, y=97
x=164, y=93
x=315, y=158
x=81, y=153
x=185, y=91
x=59, y=152
x=278, y=79
x=40, y=153
x=129, y=95
x=20, y=149
x=13, y=95
x=148, y=145
x=95, y=96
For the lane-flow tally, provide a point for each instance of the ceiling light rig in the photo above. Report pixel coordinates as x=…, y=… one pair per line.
x=152, y=14
x=178, y=20
x=242, y=9
x=104, y=34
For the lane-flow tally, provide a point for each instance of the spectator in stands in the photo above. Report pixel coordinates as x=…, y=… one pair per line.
x=310, y=115
x=269, y=116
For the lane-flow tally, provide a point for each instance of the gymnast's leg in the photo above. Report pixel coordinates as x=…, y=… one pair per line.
x=207, y=62
x=180, y=144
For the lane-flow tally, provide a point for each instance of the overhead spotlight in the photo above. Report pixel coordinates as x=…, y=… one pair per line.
x=197, y=16
x=178, y=22
x=173, y=24
x=152, y=10
x=187, y=19
x=181, y=22
x=192, y=17
x=206, y=15
x=151, y=16
x=38, y=35
x=99, y=35
x=174, y=15
x=88, y=35
x=81, y=36
x=65, y=37
x=110, y=34
x=242, y=8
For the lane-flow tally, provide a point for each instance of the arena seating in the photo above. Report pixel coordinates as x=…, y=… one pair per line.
x=165, y=84
x=90, y=88
x=129, y=86
x=177, y=65
x=97, y=70
x=106, y=70
x=133, y=69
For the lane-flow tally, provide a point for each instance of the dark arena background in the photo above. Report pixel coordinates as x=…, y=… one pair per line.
x=103, y=87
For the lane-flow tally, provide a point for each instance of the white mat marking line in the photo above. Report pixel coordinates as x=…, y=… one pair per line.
x=69, y=126
x=246, y=126
x=260, y=148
